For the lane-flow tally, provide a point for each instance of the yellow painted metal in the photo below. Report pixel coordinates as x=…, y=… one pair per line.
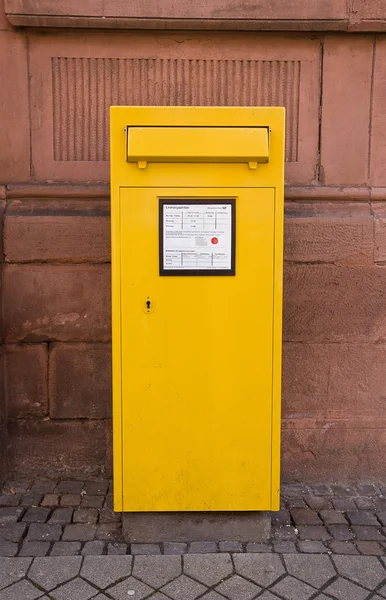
x=196, y=381
x=197, y=144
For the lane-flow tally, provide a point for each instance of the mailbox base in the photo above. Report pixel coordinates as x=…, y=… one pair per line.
x=147, y=528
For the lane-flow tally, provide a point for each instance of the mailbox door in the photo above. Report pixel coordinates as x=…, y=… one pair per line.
x=197, y=362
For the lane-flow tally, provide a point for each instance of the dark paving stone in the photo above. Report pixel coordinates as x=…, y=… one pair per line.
x=318, y=502
x=367, y=533
x=109, y=504
x=96, y=488
x=284, y=533
x=382, y=517
x=8, y=548
x=370, y=548
x=312, y=547
x=117, y=548
x=145, y=549
x=256, y=547
x=70, y=500
x=50, y=500
x=343, y=504
x=303, y=516
x=333, y=517
x=230, y=547
x=34, y=549
x=313, y=532
x=43, y=486
x=10, y=514
x=320, y=489
x=36, y=514
x=32, y=499
x=361, y=517
x=285, y=547
x=295, y=503
x=85, y=515
x=10, y=499
x=175, y=548
x=94, y=548
x=380, y=504
x=111, y=532
x=44, y=532
x=65, y=549
x=92, y=501
x=343, y=547
x=202, y=547
x=106, y=515
x=341, y=533
x=368, y=489
x=282, y=517
x=364, y=503
x=69, y=487
x=61, y=516
x=12, y=532
x=294, y=490
x=79, y=533
x=341, y=490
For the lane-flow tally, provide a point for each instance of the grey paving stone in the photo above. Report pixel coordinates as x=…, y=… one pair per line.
x=12, y=570
x=12, y=532
x=343, y=547
x=128, y=588
x=108, y=504
x=8, y=549
x=283, y=517
x=305, y=516
x=51, y=571
x=382, y=591
x=34, y=549
x=22, y=590
x=92, y=501
x=96, y=488
x=255, y=547
x=340, y=532
x=315, y=570
x=367, y=489
x=380, y=504
x=284, y=533
x=70, y=500
x=293, y=589
x=50, y=500
x=343, y=490
x=184, y=588
x=202, y=547
x=10, y=514
x=333, y=517
x=79, y=533
x=175, y=547
x=318, y=502
x=212, y=595
x=69, y=487
x=230, y=547
x=107, y=515
x=365, y=570
x=209, y=569
x=85, y=515
x=343, y=504
x=296, y=503
x=313, y=532
x=157, y=571
x=103, y=571
x=32, y=499
x=263, y=569
x=61, y=516
x=101, y=597
x=116, y=549
x=382, y=517
x=43, y=486
x=238, y=588
x=285, y=547
x=344, y=590
x=10, y=499
x=320, y=489
x=364, y=532
x=76, y=588
x=294, y=490
x=362, y=517
x=145, y=549
x=65, y=549
x=364, y=503
x=44, y=532
x=268, y=596
x=312, y=547
x=370, y=548
x=94, y=548
x=37, y=514
x=111, y=532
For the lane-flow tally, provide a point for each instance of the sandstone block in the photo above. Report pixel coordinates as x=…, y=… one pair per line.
x=378, y=121
x=57, y=302
x=379, y=210
x=80, y=381
x=26, y=377
x=57, y=231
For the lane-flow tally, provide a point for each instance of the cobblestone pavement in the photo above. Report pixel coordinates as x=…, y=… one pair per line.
x=232, y=576
x=74, y=518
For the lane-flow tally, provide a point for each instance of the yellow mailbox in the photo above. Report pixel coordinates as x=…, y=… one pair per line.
x=197, y=250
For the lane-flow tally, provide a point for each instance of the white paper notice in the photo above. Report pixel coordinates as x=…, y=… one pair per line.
x=197, y=236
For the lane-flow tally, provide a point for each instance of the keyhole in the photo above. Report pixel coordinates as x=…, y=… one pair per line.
x=148, y=303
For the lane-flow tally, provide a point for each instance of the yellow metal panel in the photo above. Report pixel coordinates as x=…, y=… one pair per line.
x=197, y=144
x=200, y=413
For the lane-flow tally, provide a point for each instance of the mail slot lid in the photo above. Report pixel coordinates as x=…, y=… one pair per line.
x=198, y=144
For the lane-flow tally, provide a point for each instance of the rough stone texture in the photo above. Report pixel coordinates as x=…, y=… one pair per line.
x=186, y=527
x=26, y=372
x=58, y=303
x=52, y=571
x=209, y=570
x=157, y=571
x=263, y=569
x=80, y=381
x=57, y=231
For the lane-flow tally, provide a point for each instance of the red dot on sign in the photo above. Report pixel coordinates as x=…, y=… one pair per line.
x=214, y=240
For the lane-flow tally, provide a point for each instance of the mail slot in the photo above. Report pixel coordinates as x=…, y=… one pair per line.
x=197, y=251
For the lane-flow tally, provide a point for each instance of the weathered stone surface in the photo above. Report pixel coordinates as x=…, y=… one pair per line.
x=57, y=230
x=49, y=572
x=123, y=590
x=78, y=447
x=341, y=588
x=157, y=571
x=79, y=532
x=263, y=569
x=208, y=569
x=378, y=124
x=315, y=570
x=291, y=589
x=238, y=588
x=76, y=588
x=55, y=303
x=26, y=372
x=366, y=571
x=184, y=588
x=321, y=232
x=12, y=570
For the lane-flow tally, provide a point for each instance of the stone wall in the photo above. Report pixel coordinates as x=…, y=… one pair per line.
x=56, y=274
